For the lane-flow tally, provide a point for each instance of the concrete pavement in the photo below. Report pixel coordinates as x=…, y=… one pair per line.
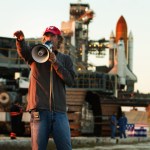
x=23, y=143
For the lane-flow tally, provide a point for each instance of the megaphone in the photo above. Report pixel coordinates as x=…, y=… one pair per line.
x=4, y=98
x=40, y=52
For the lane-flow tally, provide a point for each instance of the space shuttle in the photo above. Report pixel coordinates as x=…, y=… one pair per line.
x=121, y=56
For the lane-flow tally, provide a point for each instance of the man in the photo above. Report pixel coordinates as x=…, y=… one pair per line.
x=122, y=122
x=113, y=124
x=46, y=96
x=16, y=120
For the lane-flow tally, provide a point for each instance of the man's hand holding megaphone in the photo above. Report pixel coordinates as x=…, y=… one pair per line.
x=19, y=35
x=52, y=57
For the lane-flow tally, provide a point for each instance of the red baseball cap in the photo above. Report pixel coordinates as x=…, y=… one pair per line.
x=52, y=29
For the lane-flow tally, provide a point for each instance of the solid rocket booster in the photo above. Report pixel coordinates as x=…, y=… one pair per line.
x=112, y=46
x=130, y=51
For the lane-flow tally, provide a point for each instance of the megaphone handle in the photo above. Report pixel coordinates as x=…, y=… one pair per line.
x=51, y=86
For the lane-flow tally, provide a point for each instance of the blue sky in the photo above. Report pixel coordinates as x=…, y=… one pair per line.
x=33, y=16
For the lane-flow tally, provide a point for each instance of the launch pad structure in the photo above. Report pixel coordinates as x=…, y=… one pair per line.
x=96, y=93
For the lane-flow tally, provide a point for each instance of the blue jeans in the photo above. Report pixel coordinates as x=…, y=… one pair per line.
x=50, y=123
x=113, y=131
x=122, y=133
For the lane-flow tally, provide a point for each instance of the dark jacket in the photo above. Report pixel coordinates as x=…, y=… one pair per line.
x=122, y=122
x=39, y=87
x=113, y=121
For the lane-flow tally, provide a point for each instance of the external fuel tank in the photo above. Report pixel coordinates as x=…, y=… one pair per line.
x=121, y=33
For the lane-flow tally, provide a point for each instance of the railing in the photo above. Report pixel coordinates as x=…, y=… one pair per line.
x=95, y=81
x=11, y=59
